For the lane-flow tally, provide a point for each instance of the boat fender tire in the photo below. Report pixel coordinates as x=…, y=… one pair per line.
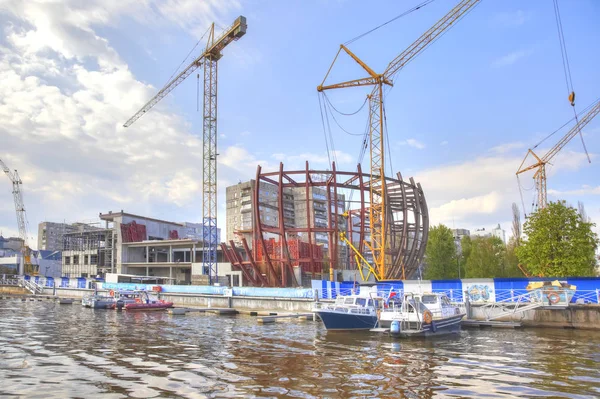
x=111, y=293
x=427, y=317
x=553, y=298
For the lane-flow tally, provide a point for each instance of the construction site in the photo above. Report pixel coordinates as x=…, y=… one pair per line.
x=286, y=227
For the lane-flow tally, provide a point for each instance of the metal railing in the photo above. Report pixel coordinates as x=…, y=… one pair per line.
x=518, y=304
x=9, y=281
x=30, y=286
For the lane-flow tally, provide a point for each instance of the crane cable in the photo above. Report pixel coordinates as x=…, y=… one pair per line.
x=415, y=8
x=331, y=108
x=343, y=113
x=585, y=110
x=324, y=130
x=567, y=71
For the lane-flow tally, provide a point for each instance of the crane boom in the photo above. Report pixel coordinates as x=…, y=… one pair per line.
x=234, y=32
x=428, y=37
x=540, y=164
x=377, y=210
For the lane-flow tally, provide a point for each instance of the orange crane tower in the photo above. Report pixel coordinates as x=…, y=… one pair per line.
x=209, y=58
x=540, y=174
x=377, y=210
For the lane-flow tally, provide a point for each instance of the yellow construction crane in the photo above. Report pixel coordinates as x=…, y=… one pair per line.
x=377, y=209
x=16, y=181
x=540, y=162
x=209, y=58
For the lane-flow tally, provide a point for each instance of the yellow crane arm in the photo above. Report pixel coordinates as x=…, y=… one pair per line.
x=572, y=133
x=587, y=118
x=428, y=37
x=359, y=258
x=234, y=32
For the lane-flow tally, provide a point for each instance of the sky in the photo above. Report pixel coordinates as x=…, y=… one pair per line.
x=460, y=116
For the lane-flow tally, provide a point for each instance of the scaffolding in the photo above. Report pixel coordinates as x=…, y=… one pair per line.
x=88, y=251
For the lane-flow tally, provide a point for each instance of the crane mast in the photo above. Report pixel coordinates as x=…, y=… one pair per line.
x=16, y=181
x=377, y=210
x=540, y=174
x=209, y=59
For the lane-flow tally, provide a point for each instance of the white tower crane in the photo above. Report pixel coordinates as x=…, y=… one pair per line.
x=20, y=210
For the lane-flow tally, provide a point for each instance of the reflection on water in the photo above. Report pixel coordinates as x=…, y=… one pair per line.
x=50, y=350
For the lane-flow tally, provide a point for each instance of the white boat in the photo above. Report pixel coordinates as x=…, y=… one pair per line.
x=351, y=312
x=422, y=314
x=98, y=301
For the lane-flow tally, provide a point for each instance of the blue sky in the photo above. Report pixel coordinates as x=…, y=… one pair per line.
x=460, y=116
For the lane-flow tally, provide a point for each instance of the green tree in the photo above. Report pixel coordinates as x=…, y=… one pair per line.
x=511, y=261
x=440, y=256
x=465, y=251
x=559, y=243
x=486, y=258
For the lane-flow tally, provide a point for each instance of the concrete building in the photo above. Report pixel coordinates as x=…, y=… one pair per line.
x=144, y=246
x=458, y=235
x=240, y=213
x=14, y=243
x=196, y=231
x=495, y=232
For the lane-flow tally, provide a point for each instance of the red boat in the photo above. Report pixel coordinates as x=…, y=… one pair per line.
x=151, y=305
x=141, y=300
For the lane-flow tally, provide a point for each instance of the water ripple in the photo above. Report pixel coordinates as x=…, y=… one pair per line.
x=49, y=350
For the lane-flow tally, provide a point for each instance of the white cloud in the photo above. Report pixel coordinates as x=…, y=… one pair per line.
x=64, y=96
x=510, y=59
x=445, y=142
x=584, y=190
x=413, y=143
x=508, y=147
x=466, y=208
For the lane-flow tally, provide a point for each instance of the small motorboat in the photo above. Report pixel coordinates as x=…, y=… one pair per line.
x=141, y=300
x=423, y=314
x=351, y=312
x=98, y=301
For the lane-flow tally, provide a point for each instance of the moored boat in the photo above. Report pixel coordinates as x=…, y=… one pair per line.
x=98, y=301
x=422, y=315
x=141, y=300
x=350, y=312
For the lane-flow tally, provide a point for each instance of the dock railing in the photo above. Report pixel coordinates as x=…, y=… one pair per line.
x=30, y=286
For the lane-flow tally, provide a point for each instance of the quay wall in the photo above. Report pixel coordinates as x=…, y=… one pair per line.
x=11, y=290
x=574, y=316
x=210, y=300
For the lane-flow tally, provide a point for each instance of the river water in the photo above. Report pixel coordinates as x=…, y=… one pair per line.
x=50, y=350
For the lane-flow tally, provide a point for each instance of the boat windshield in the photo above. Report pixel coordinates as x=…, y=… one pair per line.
x=429, y=299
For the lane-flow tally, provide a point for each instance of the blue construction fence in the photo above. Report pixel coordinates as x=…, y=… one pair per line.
x=63, y=282
x=477, y=290
x=216, y=290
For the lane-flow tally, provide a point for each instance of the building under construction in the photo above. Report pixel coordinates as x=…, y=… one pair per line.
x=283, y=228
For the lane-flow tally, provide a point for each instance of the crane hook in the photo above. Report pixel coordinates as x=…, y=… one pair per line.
x=572, y=98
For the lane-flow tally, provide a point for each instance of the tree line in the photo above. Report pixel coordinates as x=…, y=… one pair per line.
x=557, y=241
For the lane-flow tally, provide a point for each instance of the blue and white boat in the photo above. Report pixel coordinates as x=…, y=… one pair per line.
x=351, y=312
x=422, y=314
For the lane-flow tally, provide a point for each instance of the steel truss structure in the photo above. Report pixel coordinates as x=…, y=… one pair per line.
x=406, y=231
